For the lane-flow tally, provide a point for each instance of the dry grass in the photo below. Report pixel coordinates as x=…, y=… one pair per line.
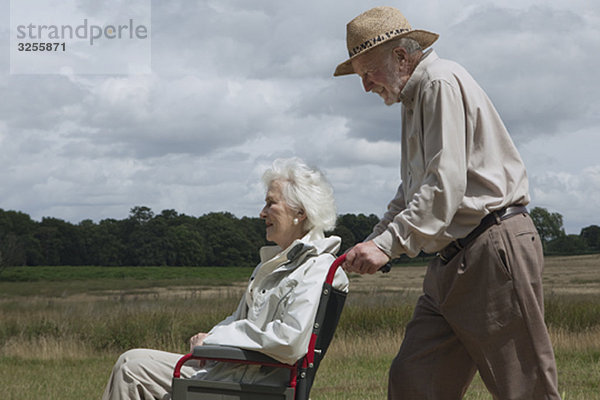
x=349, y=372
x=562, y=275
x=571, y=283
x=64, y=346
x=46, y=348
x=576, y=341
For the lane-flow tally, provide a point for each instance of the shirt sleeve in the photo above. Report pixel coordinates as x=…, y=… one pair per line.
x=285, y=339
x=431, y=208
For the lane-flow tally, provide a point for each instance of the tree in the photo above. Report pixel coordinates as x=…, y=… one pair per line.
x=591, y=237
x=60, y=242
x=12, y=251
x=184, y=246
x=549, y=225
x=146, y=242
x=226, y=243
x=348, y=239
x=567, y=244
x=16, y=231
x=354, y=228
x=141, y=214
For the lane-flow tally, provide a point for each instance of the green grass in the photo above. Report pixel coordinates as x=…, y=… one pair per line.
x=54, y=379
x=573, y=312
x=65, y=280
x=111, y=325
x=356, y=378
x=579, y=373
x=366, y=314
x=217, y=275
x=365, y=378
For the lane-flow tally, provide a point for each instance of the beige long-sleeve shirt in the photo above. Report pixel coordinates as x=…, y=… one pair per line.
x=458, y=162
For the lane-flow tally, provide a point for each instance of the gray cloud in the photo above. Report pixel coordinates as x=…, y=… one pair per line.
x=534, y=63
x=236, y=84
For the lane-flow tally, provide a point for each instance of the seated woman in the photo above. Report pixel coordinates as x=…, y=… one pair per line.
x=276, y=313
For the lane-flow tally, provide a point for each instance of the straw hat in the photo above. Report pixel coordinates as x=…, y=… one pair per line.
x=377, y=26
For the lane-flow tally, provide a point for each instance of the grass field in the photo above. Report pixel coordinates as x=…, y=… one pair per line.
x=62, y=328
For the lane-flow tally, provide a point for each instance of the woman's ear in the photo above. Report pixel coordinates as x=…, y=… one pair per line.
x=301, y=215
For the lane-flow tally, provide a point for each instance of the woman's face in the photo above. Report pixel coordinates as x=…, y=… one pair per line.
x=279, y=218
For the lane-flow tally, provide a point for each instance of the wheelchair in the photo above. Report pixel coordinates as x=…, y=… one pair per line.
x=302, y=373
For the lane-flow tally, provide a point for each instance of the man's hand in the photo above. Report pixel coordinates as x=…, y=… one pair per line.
x=365, y=258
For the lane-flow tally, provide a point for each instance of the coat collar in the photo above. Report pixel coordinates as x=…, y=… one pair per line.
x=273, y=259
x=313, y=243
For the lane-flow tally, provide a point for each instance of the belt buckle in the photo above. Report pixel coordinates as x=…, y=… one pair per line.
x=444, y=259
x=451, y=250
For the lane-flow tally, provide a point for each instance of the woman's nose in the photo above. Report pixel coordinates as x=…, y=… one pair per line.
x=263, y=213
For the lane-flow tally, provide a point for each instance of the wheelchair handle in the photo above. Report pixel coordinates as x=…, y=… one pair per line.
x=340, y=260
x=336, y=264
x=386, y=268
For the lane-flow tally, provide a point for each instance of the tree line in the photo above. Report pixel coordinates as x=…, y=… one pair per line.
x=214, y=239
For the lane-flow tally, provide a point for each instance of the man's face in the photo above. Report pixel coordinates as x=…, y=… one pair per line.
x=382, y=73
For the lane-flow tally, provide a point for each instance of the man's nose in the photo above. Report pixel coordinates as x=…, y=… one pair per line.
x=367, y=84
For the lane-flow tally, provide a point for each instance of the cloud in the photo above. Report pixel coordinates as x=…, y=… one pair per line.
x=575, y=196
x=236, y=84
x=534, y=62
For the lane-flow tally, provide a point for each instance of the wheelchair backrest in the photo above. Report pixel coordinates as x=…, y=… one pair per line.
x=328, y=315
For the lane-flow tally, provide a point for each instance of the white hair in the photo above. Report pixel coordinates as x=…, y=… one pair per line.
x=305, y=189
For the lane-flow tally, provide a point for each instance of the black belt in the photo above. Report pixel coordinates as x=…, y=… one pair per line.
x=493, y=218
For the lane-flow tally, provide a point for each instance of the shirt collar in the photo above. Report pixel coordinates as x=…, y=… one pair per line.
x=407, y=96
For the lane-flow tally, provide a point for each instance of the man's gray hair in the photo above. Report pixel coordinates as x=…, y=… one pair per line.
x=410, y=45
x=304, y=188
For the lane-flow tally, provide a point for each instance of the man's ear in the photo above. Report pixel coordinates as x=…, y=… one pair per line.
x=400, y=53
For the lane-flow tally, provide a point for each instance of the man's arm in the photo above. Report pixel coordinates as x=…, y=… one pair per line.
x=442, y=188
x=366, y=257
x=442, y=185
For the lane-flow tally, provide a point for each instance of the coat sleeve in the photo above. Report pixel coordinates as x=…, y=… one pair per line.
x=285, y=338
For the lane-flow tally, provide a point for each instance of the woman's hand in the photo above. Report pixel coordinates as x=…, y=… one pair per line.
x=198, y=340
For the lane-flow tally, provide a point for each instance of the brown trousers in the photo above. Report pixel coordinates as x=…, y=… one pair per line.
x=482, y=311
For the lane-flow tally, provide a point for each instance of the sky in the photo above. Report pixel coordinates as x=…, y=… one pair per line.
x=234, y=84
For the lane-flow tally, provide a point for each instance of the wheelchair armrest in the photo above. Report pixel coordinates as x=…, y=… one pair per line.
x=231, y=353
x=234, y=355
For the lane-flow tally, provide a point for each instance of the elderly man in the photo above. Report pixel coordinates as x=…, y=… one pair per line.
x=463, y=195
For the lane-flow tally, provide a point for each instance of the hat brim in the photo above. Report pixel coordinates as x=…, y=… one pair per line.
x=424, y=38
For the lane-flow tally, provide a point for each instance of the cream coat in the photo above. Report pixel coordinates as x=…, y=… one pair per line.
x=276, y=314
